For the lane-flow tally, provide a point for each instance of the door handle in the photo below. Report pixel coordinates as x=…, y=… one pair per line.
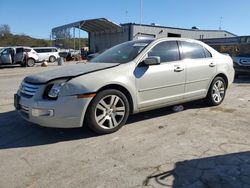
x=178, y=69
x=211, y=65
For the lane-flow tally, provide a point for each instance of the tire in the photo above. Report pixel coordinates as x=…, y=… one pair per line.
x=216, y=92
x=30, y=62
x=52, y=59
x=103, y=115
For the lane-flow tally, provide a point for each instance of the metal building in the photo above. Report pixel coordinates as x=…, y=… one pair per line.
x=103, y=34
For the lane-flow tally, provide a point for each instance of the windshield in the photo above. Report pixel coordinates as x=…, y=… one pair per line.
x=122, y=53
x=244, y=55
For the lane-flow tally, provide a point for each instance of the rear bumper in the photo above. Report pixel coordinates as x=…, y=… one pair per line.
x=65, y=112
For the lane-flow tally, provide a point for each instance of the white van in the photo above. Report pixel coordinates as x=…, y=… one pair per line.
x=47, y=53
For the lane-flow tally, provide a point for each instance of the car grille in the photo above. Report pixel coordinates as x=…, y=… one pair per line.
x=28, y=89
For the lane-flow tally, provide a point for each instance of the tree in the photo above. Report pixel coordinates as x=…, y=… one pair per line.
x=4, y=29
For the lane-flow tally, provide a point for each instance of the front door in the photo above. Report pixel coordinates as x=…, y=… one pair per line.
x=164, y=83
x=5, y=56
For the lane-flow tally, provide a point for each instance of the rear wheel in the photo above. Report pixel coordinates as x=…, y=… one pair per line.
x=108, y=111
x=217, y=92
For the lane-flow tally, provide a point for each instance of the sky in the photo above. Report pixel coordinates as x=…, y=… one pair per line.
x=37, y=17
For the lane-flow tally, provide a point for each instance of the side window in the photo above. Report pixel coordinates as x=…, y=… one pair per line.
x=167, y=51
x=27, y=50
x=38, y=50
x=192, y=51
x=19, y=50
x=6, y=51
x=207, y=53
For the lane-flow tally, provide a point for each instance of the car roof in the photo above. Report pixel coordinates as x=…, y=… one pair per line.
x=44, y=47
x=170, y=39
x=18, y=47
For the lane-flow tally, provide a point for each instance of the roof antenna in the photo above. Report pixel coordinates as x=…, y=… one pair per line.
x=220, y=23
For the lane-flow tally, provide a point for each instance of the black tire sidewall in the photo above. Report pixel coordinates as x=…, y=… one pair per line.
x=91, y=111
x=210, y=100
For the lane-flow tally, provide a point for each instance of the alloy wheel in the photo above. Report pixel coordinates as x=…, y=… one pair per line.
x=110, y=111
x=218, y=91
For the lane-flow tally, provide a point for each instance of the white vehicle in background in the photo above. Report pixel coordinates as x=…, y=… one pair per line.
x=47, y=53
x=15, y=55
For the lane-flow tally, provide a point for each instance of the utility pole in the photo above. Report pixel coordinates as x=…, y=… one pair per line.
x=141, y=15
x=220, y=23
x=79, y=36
x=141, y=12
x=74, y=38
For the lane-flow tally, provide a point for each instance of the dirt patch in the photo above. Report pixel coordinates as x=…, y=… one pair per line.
x=221, y=109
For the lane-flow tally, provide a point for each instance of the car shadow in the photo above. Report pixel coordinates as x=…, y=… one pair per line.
x=16, y=132
x=222, y=171
x=10, y=66
x=165, y=111
x=243, y=79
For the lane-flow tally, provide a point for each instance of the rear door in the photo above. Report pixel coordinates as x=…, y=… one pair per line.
x=19, y=56
x=47, y=53
x=200, y=69
x=43, y=53
x=164, y=83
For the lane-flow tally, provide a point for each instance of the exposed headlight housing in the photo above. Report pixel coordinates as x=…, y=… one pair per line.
x=53, y=89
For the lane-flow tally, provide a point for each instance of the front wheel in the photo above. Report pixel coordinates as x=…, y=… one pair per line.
x=108, y=111
x=30, y=62
x=216, y=92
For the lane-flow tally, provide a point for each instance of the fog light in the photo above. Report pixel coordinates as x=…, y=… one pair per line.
x=42, y=112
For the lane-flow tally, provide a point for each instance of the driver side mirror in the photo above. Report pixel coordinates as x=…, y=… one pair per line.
x=152, y=60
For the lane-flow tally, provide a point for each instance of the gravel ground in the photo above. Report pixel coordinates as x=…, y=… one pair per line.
x=198, y=147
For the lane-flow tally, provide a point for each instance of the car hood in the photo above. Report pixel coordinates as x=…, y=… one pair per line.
x=69, y=71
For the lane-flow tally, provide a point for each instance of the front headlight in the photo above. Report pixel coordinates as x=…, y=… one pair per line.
x=55, y=90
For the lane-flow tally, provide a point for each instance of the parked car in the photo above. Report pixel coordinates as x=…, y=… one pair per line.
x=132, y=77
x=66, y=55
x=47, y=53
x=242, y=64
x=15, y=55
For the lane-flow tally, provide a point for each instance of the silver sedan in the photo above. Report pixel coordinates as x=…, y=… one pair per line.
x=129, y=78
